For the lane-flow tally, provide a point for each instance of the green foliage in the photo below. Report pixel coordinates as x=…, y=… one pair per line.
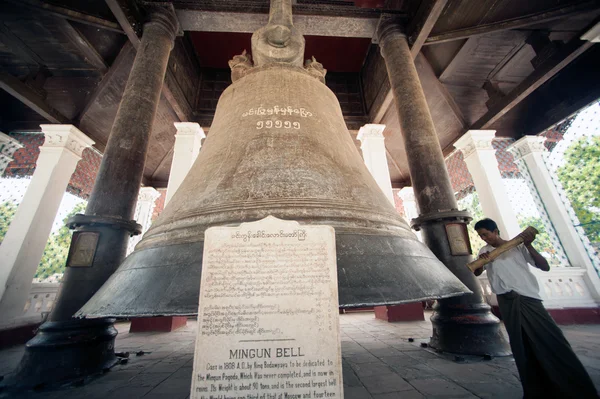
x=57, y=248
x=7, y=213
x=580, y=177
x=542, y=241
x=471, y=204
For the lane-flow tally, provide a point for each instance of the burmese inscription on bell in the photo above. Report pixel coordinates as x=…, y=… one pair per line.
x=268, y=323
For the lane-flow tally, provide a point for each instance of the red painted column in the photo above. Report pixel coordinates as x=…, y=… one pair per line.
x=405, y=312
x=157, y=324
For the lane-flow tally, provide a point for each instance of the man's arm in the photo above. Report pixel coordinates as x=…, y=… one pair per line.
x=540, y=262
x=484, y=255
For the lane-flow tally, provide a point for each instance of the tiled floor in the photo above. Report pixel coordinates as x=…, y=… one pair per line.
x=378, y=362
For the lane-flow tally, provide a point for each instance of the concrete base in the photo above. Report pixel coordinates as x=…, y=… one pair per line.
x=63, y=352
x=157, y=324
x=568, y=316
x=405, y=312
x=467, y=329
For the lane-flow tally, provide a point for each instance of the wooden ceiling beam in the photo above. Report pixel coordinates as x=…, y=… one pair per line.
x=164, y=159
x=128, y=16
x=175, y=97
x=396, y=166
x=417, y=32
x=399, y=185
x=514, y=23
x=309, y=25
x=30, y=98
x=106, y=79
x=553, y=65
x=157, y=184
x=19, y=48
x=343, y=8
x=420, y=26
x=69, y=14
x=85, y=48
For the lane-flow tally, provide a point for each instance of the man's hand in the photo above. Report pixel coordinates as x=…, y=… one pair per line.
x=527, y=237
x=484, y=255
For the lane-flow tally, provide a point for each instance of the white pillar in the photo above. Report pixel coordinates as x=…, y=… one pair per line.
x=480, y=157
x=188, y=141
x=407, y=195
x=25, y=240
x=375, y=157
x=530, y=151
x=143, y=213
x=8, y=146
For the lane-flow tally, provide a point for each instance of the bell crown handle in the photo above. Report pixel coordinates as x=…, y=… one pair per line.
x=278, y=41
x=280, y=23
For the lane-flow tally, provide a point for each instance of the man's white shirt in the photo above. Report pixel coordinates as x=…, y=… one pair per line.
x=510, y=272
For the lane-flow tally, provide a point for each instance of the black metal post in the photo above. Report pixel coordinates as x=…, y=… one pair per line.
x=67, y=348
x=462, y=324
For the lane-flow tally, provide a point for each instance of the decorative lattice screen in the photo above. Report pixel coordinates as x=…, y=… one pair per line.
x=527, y=204
x=573, y=160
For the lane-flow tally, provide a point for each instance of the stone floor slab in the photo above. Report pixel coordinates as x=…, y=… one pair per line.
x=414, y=394
x=369, y=369
x=356, y=393
x=385, y=383
x=378, y=362
x=494, y=390
x=415, y=372
x=440, y=387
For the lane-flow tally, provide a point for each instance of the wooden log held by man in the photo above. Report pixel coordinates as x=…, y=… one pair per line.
x=518, y=240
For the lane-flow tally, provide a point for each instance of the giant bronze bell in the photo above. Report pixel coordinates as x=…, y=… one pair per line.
x=278, y=146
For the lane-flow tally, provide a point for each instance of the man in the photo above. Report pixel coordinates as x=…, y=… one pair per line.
x=547, y=365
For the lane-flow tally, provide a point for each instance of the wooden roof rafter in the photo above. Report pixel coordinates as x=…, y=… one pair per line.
x=31, y=98
x=59, y=33
x=107, y=80
x=31, y=92
x=499, y=105
x=514, y=23
x=418, y=30
x=561, y=58
x=384, y=100
x=83, y=46
x=68, y=14
x=16, y=45
x=128, y=16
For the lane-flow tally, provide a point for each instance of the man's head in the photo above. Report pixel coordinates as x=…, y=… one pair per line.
x=488, y=232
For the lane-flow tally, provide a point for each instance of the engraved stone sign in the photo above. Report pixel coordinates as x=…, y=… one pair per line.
x=458, y=239
x=83, y=249
x=268, y=321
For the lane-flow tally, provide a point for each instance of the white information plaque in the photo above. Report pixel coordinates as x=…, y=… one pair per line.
x=268, y=320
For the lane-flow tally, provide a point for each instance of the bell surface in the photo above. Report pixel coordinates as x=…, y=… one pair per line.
x=278, y=146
